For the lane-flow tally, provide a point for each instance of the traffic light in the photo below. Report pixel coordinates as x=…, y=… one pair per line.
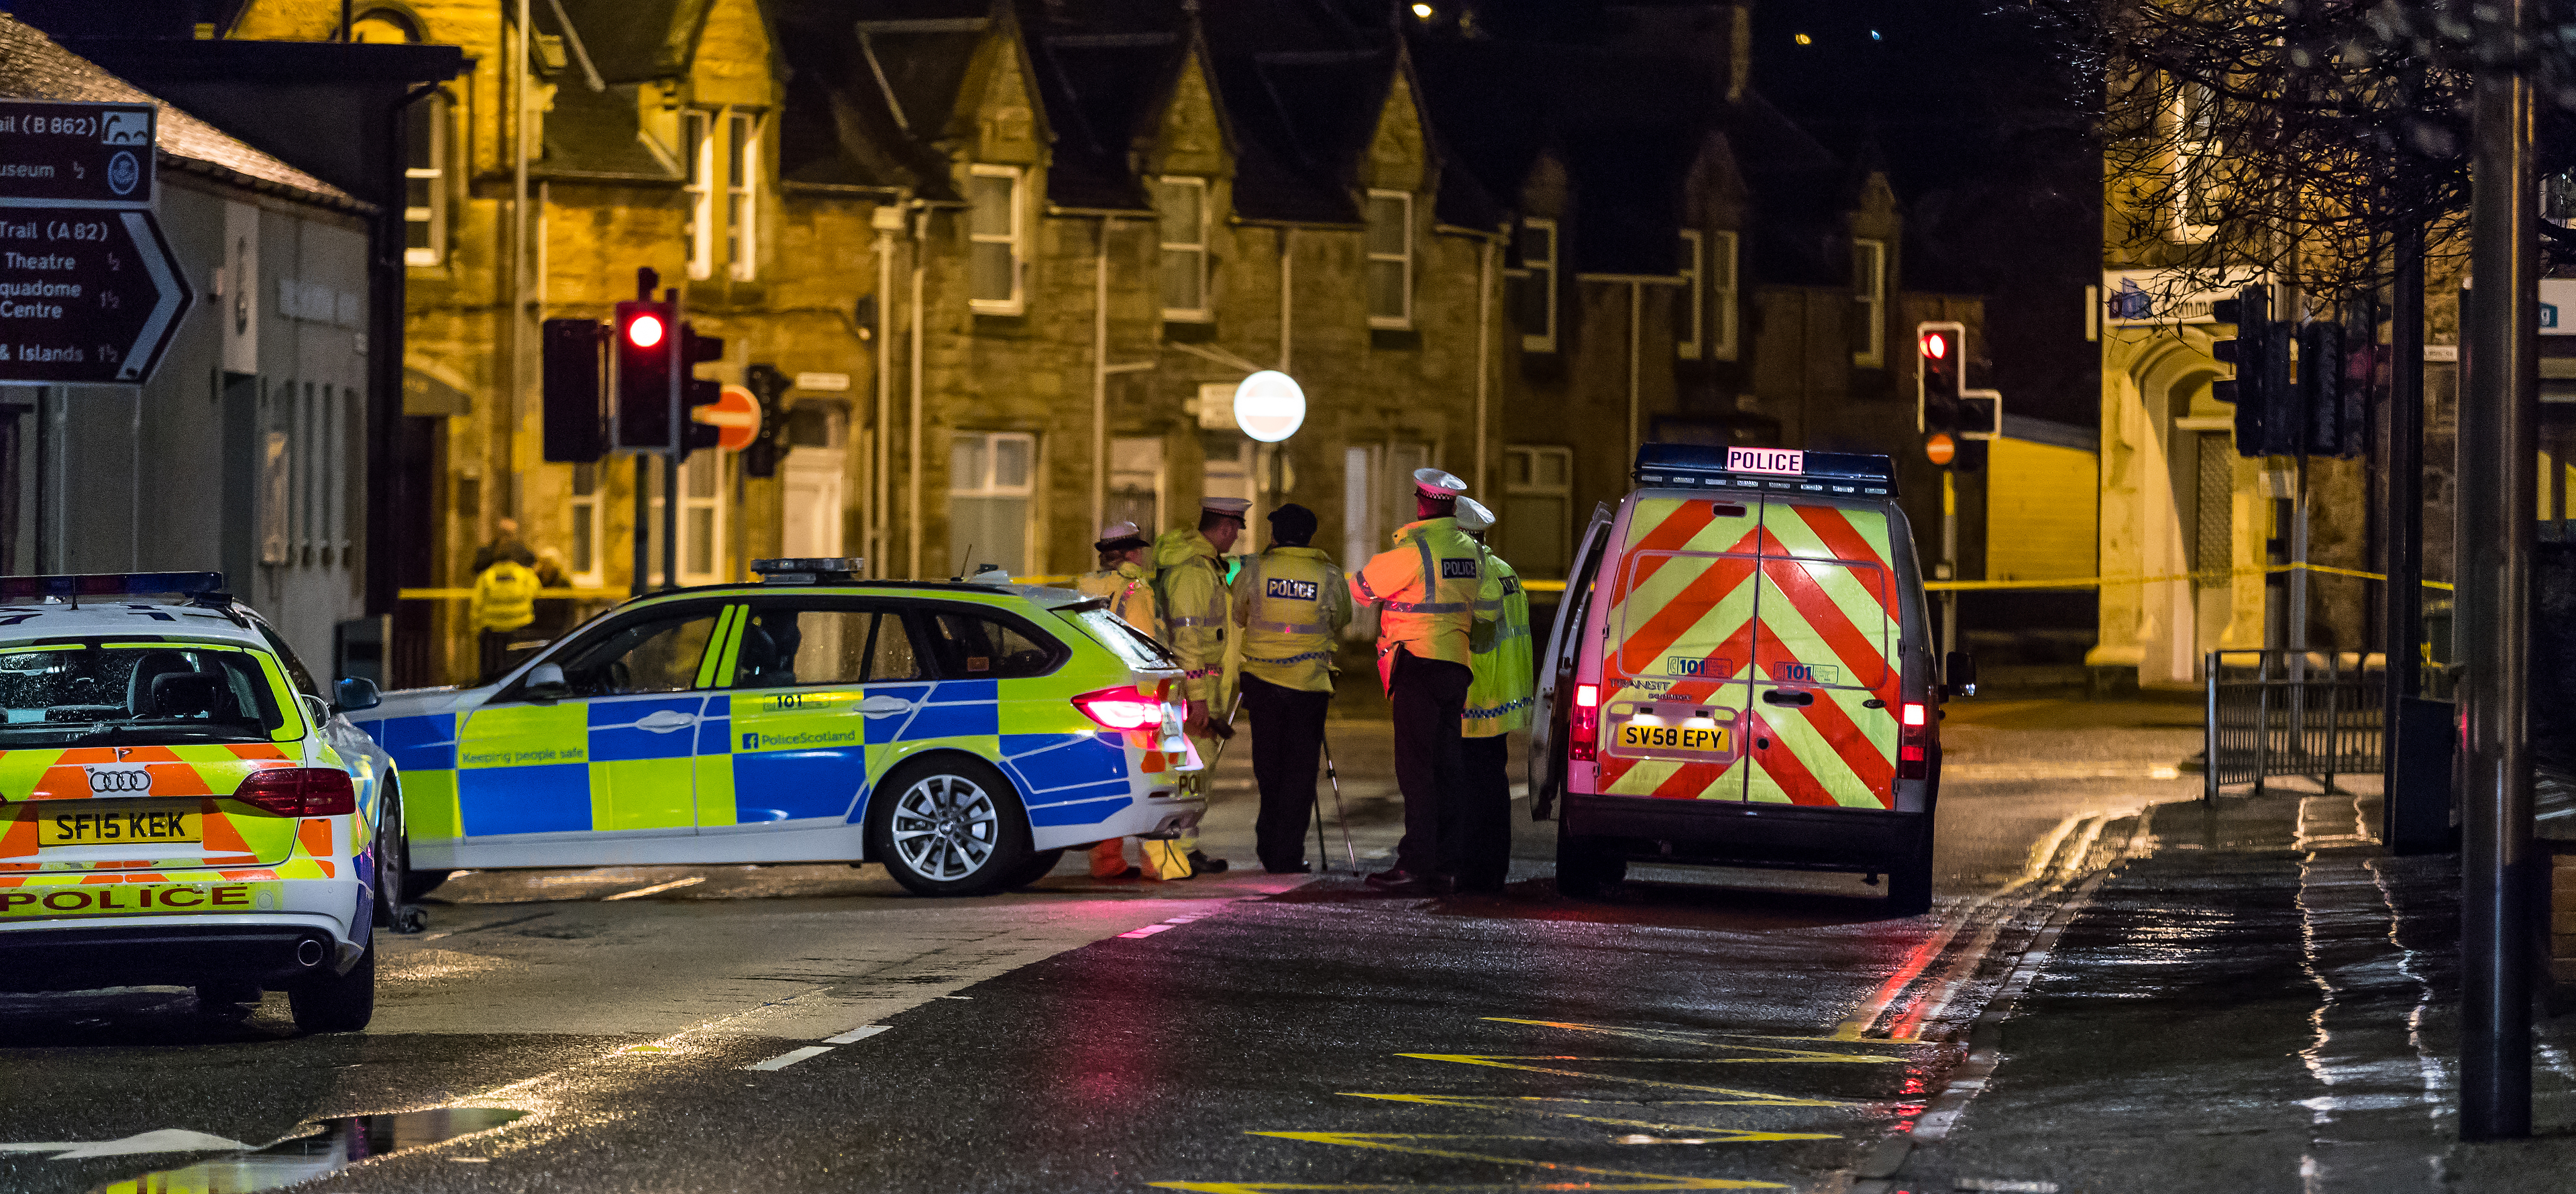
x=2320, y=388
x=2268, y=410
x=695, y=350
x=576, y=426
x=1940, y=353
x=769, y=387
x=644, y=351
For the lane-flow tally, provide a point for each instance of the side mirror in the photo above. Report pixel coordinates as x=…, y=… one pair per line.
x=1959, y=673
x=545, y=683
x=356, y=693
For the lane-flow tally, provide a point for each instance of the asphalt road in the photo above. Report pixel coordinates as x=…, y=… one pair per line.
x=810, y=1027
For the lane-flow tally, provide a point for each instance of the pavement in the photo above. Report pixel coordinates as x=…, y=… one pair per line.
x=2117, y=989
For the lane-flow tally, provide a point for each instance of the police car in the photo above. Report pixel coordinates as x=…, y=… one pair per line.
x=181, y=804
x=962, y=734
x=1741, y=674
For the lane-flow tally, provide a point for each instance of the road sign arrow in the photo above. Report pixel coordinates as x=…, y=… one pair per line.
x=86, y=296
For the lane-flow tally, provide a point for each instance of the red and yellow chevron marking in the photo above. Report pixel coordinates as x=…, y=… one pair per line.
x=29, y=778
x=1682, y=603
x=1826, y=601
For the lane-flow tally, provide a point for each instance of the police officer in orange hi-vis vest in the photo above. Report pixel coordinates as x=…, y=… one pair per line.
x=1428, y=591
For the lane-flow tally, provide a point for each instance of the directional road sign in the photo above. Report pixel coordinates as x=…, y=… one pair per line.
x=76, y=155
x=87, y=295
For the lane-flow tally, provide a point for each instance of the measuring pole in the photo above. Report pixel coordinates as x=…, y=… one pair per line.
x=2499, y=434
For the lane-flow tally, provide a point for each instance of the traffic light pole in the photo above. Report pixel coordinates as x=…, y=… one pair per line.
x=680, y=372
x=643, y=520
x=1949, y=557
x=2498, y=438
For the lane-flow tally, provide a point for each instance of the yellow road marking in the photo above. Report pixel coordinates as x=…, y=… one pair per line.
x=1692, y=1038
x=1388, y=1142
x=1505, y=1103
x=1744, y=1097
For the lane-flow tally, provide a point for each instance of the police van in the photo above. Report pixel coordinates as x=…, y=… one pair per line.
x=1741, y=674
x=181, y=805
x=964, y=735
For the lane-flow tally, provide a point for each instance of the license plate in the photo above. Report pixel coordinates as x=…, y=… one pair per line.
x=111, y=828
x=1703, y=740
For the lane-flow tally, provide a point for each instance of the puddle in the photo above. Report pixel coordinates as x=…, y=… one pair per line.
x=317, y=1149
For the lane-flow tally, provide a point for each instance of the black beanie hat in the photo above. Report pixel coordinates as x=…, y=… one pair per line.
x=1292, y=525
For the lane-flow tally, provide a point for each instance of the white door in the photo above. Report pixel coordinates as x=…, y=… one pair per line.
x=812, y=483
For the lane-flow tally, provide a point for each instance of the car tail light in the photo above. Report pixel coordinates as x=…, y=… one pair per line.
x=299, y=792
x=1914, y=742
x=1120, y=708
x=1583, y=742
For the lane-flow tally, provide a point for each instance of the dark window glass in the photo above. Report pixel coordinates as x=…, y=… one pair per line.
x=974, y=647
x=650, y=654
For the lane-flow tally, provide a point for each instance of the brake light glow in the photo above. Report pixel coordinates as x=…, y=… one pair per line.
x=299, y=792
x=1914, y=742
x=1119, y=709
x=1583, y=744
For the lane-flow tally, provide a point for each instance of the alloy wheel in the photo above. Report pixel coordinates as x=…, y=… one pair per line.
x=946, y=828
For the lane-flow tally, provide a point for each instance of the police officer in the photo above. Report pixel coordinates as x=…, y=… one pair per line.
x=1128, y=584
x=1426, y=589
x=1290, y=604
x=1190, y=588
x=1499, y=699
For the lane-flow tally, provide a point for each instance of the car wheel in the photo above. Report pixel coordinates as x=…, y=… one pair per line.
x=336, y=1002
x=393, y=860
x=949, y=825
x=1585, y=869
x=1039, y=866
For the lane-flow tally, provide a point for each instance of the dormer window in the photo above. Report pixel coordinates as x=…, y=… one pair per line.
x=994, y=219
x=1181, y=215
x=1869, y=304
x=1390, y=259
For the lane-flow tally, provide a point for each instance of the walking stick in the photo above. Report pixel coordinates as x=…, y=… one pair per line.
x=1339, y=813
x=1323, y=849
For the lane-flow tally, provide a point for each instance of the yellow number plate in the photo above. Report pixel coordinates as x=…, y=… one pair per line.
x=1698, y=740
x=104, y=829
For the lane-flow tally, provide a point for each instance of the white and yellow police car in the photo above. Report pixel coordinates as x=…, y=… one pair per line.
x=181, y=804
x=964, y=735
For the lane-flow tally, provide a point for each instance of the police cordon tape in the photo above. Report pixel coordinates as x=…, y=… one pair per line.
x=1558, y=586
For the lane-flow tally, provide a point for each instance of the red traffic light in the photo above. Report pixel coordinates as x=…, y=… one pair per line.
x=645, y=331
x=1936, y=346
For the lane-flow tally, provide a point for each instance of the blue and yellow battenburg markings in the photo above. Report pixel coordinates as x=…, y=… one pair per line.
x=724, y=758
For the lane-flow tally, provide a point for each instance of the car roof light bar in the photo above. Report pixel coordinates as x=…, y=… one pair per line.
x=809, y=570
x=1686, y=466
x=110, y=584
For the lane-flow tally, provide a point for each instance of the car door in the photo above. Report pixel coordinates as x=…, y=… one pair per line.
x=1677, y=668
x=611, y=760
x=1556, y=665
x=812, y=682
x=1826, y=702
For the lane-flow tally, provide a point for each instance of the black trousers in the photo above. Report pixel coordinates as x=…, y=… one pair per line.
x=1287, y=738
x=1478, y=846
x=1429, y=696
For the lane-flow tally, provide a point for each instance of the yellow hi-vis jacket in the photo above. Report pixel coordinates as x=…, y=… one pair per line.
x=1426, y=588
x=1130, y=590
x=1189, y=586
x=505, y=596
x=1291, y=605
x=1500, y=695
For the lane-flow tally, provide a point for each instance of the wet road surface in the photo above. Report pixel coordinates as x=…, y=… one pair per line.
x=810, y=1027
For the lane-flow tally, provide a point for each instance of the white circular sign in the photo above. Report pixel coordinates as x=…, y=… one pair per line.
x=1269, y=406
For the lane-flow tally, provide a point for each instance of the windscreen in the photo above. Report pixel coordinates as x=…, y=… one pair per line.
x=1138, y=651
x=135, y=694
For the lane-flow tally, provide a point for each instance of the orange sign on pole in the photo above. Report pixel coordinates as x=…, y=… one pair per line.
x=1940, y=448
x=736, y=415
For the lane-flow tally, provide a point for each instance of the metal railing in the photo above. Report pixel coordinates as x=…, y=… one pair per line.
x=2279, y=712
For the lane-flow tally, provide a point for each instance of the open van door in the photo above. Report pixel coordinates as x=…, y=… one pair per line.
x=1556, y=668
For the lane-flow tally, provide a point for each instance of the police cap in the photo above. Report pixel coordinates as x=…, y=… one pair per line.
x=1432, y=483
x=1473, y=517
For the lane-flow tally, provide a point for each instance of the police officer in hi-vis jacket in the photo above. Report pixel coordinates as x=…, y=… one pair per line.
x=1498, y=702
x=1426, y=590
x=1290, y=605
x=1128, y=583
x=1191, y=588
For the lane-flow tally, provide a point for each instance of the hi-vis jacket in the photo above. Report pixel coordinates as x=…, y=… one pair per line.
x=1290, y=603
x=505, y=596
x=1190, y=588
x=1426, y=589
x=1130, y=590
x=1500, y=694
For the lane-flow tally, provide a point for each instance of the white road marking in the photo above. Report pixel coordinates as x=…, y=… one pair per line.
x=658, y=887
x=790, y=1057
x=1147, y=931
x=166, y=1140
x=855, y=1035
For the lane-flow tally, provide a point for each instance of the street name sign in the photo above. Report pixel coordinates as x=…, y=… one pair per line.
x=76, y=155
x=87, y=296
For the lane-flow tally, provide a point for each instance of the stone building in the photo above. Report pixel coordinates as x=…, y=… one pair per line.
x=1015, y=255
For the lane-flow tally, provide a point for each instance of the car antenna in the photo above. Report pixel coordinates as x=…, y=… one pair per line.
x=961, y=564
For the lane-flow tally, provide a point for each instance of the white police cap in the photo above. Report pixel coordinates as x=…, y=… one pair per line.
x=1233, y=508
x=1473, y=516
x=1432, y=483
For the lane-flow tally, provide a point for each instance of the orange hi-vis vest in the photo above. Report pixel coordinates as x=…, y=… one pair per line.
x=1426, y=589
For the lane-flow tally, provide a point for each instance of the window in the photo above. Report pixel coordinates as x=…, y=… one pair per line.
x=1390, y=259
x=1377, y=496
x=584, y=559
x=1135, y=482
x=1534, y=294
x=1181, y=207
x=1869, y=304
x=991, y=477
x=993, y=222
x=1690, y=307
x=2196, y=151
x=425, y=182
x=655, y=653
x=1719, y=272
x=975, y=647
x=702, y=521
x=1532, y=530
x=742, y=163
x=784, y=645
x=694, y=149
x=722, y=149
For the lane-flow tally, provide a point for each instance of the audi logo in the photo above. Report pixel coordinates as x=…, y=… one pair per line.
x=104, y=782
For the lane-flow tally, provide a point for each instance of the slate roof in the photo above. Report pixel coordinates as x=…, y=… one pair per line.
x=596, y=134
x=867, y=98
x=33, y=67
x=1103, y=93
x=631, y=41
